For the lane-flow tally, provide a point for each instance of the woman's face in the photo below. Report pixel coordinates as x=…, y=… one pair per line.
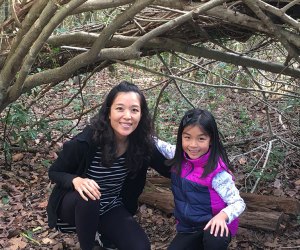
x=125, y=114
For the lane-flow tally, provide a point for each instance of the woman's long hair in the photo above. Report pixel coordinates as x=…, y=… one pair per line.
x=140, y=141
x=205, y=120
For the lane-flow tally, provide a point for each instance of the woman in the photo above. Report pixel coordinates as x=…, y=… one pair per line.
x=101, y=172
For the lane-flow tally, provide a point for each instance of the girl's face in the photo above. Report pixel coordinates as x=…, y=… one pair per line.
x=195, y=142
x=125, y=114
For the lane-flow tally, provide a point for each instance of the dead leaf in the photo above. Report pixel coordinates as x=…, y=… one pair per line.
x=43, y=204
x=58, y=246
x=297, y=182
x=17, y=157
x=17, y=243
x=291, y=192
x=13, y=232
x=47, y=241
x=271, y=244
x=278, y=192
x=277, y=183
x=242, y=161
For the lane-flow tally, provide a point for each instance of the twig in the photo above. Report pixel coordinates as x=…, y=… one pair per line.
x=294, y=247
x=174, y=81
x=265, y=99
x=14, y=14
x=293, y=144
x=252, y=150
x=264, y=166
x=252, y=170
x=29, y=238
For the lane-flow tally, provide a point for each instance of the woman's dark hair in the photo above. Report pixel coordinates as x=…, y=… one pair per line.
x=205, y=120
x=140, y=141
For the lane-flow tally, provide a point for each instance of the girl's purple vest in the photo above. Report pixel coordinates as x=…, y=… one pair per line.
x=196, y=202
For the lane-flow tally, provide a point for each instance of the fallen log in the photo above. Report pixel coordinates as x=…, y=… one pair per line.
x=254, y=202
x=261, y=213
x=269, y=221
x=262, y=220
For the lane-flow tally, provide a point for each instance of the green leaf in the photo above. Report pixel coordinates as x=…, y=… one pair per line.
x=5, y=200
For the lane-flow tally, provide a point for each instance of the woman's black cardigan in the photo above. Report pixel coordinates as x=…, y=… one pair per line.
x=76, y=157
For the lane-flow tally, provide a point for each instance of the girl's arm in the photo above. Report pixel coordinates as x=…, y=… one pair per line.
x=225, y=187
x=160, y=154
x=167, y=149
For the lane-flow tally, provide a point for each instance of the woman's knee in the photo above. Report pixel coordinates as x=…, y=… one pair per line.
x=90, y=207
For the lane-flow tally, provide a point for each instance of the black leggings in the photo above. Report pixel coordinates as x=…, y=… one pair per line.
x=117, y=225
x=202, y=240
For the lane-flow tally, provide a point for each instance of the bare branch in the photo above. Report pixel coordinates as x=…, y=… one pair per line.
x=290, y=5
x=280, y=13
x=174, y=23
x=92, y=5
x=15, y=91
x=253, y=4
x=205, y=84
x=15, y=16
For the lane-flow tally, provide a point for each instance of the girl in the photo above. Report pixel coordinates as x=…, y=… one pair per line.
x=101, y=172
x=207, y=203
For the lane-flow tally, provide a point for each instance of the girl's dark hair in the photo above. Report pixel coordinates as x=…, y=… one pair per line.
x=140, y=141
x=205, y=120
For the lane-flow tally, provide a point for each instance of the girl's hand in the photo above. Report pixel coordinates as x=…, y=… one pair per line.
x=87, y=187
x=218, y=223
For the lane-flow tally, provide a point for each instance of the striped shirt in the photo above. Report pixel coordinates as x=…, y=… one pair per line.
x=110, y=181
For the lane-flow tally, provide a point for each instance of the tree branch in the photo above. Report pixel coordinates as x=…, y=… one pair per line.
x=92, y=5
x=23, y=45
x=15, y=91
x=205, y=84
x=253, y=5
x=169, y=44
x=280, y=13
x=174, y=23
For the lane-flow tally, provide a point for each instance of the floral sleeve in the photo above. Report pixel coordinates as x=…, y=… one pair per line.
x=225, y=187
x=167, y=149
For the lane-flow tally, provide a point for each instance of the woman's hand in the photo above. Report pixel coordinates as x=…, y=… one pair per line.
x=218, y=223
x=87, y=188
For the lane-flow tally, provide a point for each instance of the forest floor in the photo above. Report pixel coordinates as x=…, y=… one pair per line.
x=24, y=192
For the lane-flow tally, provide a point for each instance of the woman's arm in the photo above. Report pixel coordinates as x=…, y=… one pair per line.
x=67, y=171
x=65, y=167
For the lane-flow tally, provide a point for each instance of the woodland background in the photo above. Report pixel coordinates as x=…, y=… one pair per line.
x=238, y=59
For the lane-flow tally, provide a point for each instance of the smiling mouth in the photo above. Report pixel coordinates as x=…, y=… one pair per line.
x=126, y=125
